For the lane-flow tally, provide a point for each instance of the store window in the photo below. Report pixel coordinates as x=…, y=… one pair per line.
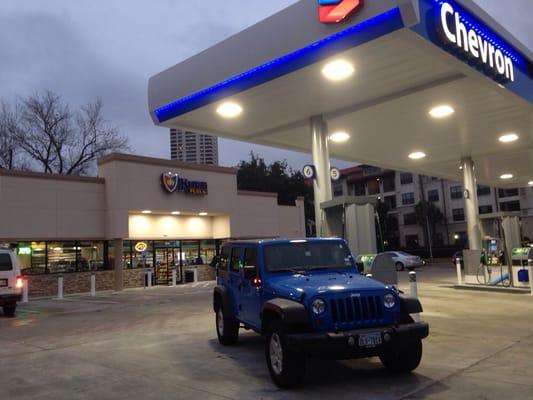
x=208, y=251
x=61, y=257
x=140, y=258
x=37, y=264
x=191, y=252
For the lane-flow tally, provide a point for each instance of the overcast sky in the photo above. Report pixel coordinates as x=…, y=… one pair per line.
x=83, y=49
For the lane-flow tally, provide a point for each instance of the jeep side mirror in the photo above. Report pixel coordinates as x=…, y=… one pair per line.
x=250, y=272
x=215, y=261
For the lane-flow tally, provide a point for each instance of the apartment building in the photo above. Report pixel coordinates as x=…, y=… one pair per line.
x=401, y=191
x=193, y=147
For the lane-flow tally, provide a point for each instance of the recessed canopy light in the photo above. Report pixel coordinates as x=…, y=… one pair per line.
x=202, y=214
x=339, y=137
x=146, y=211
x=176, y=212
x=506, y=176
x=417, y=155
x=530, y=183
x=229, y=109
x=441, y=111
x=338, y=70
x=508, y=138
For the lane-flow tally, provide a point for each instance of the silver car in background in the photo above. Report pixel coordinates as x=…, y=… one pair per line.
x=404, y=260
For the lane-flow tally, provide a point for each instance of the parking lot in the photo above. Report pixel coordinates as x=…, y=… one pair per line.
x=161, y=344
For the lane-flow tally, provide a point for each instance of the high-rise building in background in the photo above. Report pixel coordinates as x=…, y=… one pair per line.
x=193, y=147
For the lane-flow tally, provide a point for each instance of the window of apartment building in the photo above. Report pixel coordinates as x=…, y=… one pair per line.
x=456, y=192
x=337, y=189
x=373, y=187
x=483, y=190
x=485, y=209
x=390, y=201
x=406, y=178
x=460, y=238
x=510, y=205
x=507, y=192
x=369, y=170
x=359, y=189
x=411, y=241
x=408, y=198
x=438, y=239
x=458, y=214
x=392, y=223
x=433, y=195
x=389, y=184
x=409, y=219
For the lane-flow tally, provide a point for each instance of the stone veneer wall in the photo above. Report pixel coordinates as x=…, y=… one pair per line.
x=79, y=282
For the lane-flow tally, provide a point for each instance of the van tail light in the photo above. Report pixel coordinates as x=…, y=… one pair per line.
x=19, y=282
x=256, y=282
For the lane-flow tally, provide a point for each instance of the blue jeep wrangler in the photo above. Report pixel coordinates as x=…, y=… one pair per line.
x=309, y=300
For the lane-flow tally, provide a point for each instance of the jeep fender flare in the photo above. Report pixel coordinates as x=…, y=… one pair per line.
x=288, y=311
x=221, y=296
x=410, y=305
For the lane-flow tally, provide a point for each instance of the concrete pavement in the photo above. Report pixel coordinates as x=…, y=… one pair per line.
x=161, y=344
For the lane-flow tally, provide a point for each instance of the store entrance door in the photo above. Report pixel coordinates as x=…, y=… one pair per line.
x=165, y=259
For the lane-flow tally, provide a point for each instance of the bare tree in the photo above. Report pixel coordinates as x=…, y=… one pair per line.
x=8, y=141
x=61, y=141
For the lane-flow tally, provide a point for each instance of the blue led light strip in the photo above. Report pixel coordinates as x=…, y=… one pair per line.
x=340, y=41
x=485, y=33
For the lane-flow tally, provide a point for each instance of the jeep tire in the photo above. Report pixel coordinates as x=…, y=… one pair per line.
x=227, y=327
x=9, y=310
x=287, y=368
x=403, y=359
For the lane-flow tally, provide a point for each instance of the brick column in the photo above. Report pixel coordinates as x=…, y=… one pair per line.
x=117, y=255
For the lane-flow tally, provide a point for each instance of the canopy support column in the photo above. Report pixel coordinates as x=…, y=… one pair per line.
x=321, y=161
x=473, y=222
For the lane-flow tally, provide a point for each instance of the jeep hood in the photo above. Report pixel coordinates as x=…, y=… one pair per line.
x=318, y=282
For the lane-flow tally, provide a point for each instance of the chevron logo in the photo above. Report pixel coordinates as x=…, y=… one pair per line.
x=335, y=11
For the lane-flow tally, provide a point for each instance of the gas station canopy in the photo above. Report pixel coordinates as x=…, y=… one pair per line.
x=417, y=85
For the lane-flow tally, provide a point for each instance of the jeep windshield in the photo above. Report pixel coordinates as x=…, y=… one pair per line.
x=307, y=256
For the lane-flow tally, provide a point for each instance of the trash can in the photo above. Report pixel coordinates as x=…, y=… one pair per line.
x=189, y=275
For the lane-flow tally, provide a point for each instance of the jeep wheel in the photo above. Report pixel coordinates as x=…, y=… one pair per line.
x=227, y=328
x=286, y=367
x=9, y=310
x=399, y=266
x=403, y=359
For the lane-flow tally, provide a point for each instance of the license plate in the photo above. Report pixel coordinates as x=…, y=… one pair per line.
x=370, y=340
x=3, y=282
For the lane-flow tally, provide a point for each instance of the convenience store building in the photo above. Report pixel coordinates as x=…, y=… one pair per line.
x=144, y=212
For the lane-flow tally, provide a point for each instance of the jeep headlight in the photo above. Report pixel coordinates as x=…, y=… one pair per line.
x=318, y=306
x=389, y=300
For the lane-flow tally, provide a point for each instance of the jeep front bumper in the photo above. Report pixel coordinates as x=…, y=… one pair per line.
x=346, y=344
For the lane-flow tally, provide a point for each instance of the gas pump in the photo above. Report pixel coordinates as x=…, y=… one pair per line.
x=492, y=267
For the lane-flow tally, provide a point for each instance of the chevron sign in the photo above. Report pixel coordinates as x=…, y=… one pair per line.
x=335, y=11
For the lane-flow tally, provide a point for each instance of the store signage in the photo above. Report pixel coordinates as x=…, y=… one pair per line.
x=472, y=43
x=309, y=171
x=175, y=183
x=141, y=247
x=24, y=251
x=335, y=11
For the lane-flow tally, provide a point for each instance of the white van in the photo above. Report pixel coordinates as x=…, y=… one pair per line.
x=10, y=282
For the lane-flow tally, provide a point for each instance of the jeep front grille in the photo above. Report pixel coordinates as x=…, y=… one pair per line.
x=356, y=309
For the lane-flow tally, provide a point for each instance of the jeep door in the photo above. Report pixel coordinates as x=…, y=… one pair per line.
x=235, y=279
x=250, y=289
